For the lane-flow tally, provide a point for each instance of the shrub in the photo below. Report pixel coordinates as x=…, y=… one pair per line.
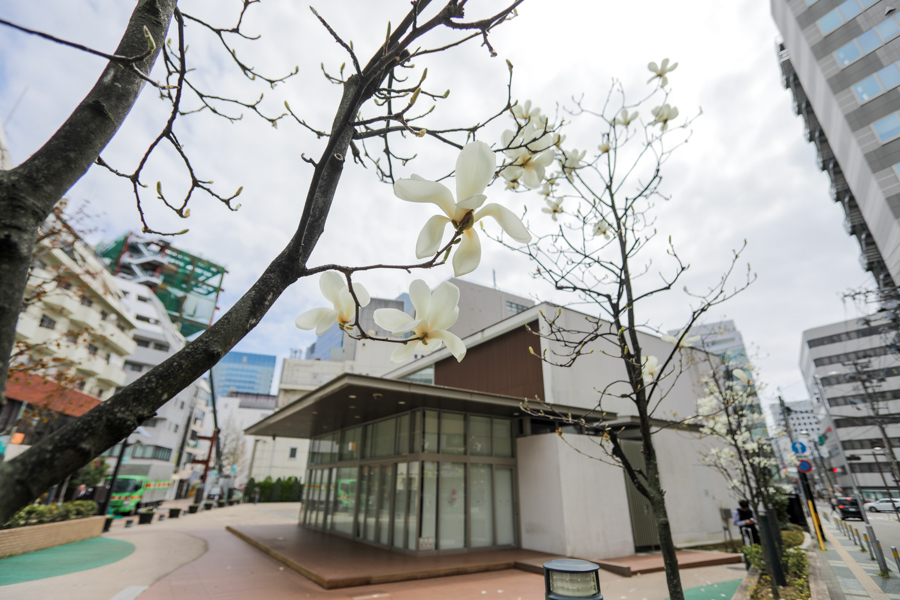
x=36, y=514
x=286, y=489
x=248, y=490
x=296, y=490
x=276, y=491
x=265, y=489
x=791, y=538
x=794, y=562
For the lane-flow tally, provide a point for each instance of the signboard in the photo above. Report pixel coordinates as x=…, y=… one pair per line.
x=804, y=466
x=798, y=447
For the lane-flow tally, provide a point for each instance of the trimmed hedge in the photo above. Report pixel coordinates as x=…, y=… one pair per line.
x=36, y=514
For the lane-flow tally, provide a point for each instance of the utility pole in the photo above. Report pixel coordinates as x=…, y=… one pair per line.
x=805, y=490
x=862, y=377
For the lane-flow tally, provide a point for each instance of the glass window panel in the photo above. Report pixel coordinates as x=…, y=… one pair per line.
x=479, y=436
x=452, y=506
x=888, y=29
x=384, y=438
x=431, y=431
x=384, y=507
x=412, y=517
x=429, y=505
x=453, y=433
x=848, y=54
x=889, y=76
x=417, y=431
x=307, y=494
x=830, y=22
x=887, y=128
x=317, y=493
x=503, y=438
x=503, y=506
x=481, y=506
x=849, y=9
x=867, y=3
x=372, y=503
x=368, y=438
x=345, y=500
x=403, y=435
x=329, y=500
x=363, y=501
x=869, y=41
x=811, y=2
x=350, y=443
x=897, y=170
x=314, y=452
x=867, y=89
x=400, y=500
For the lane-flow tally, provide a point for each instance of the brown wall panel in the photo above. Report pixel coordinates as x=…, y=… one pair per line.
x=502, y=365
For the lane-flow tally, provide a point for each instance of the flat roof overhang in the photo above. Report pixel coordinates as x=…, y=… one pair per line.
x=351, y=399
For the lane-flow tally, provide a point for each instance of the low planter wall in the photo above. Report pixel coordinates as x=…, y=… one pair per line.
x=22, y=540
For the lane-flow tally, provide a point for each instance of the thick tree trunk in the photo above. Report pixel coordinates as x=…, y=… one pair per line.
x=657, y=500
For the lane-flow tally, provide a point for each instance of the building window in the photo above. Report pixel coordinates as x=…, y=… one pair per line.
x=71, y=338
x=142, y=343
x=80, y=385
x=515, y=308
x=162, y=347
x=92, y=349
x=104, y=315
x=867, y=42
x=85, y=301
x=887, y=128
x=182, y=405
x=47, y=322
x=144, y=319
x=851, y=356
x=293, y=453
x=143, y=299
x=848, y=335
x=130, y=366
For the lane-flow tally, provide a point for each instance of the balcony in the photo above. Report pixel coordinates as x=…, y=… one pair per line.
x=112, y=375
x=26, y=327
x=121, y=341
x=86, y=316
x=62, y=302
x=87, y=363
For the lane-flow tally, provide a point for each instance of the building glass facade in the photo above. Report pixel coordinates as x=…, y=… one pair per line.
x=421, y=482
x=245, y=373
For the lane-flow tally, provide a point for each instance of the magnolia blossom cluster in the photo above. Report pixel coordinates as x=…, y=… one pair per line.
x=434, y=313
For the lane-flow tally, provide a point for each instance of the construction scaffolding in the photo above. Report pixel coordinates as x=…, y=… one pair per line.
x=187, y=285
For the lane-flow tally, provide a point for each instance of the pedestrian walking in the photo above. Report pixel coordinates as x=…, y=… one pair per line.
x=256, y=495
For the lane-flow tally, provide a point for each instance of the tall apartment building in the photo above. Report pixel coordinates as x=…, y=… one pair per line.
x=174, y=429
x=804, y=422
x=74, y=328
x=850, y=366
x=839, y=59
x=720, y=338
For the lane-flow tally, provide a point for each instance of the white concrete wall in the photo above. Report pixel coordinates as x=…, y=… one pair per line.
x=570, y=504
x=574, y=505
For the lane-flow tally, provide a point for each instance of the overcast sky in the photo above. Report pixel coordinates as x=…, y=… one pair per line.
x=747, y=173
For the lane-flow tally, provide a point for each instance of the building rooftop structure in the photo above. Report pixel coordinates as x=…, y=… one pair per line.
x=186, y=284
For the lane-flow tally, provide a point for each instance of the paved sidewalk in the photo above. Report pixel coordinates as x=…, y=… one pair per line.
x=851, y=572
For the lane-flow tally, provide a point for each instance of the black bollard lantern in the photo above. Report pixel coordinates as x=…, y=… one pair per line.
x=566, y=578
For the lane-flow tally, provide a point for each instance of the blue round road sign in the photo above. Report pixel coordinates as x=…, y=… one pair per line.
x=798, y=447
x=804, y=466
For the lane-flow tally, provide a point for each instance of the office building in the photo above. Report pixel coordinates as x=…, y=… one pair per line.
x=850, y=366
x=804, y=423
x=839, y=59
x=243, y=372
x=438, y=456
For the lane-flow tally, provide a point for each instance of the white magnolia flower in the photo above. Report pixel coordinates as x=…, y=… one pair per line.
x=547, y=189
x=664, y=114
x=625, y=118
x=740, y=374
x=673, y=339
x=571, y=161
x=660, y=71
x=474, y=171
x=553, y=208
x=435, y=313
x=524, y=112
x=650, y=369
x=603, y=228
x=527, y=167
x=604, y=146
x=336, y=291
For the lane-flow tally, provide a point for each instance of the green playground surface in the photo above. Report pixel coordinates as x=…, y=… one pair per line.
x=724, y=590
x=62, y=560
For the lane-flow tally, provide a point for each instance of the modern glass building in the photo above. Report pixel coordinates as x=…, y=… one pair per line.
x=422, y=481
x=244, y=372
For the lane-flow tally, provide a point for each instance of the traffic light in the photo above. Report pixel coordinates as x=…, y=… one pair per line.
x=836, y=470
